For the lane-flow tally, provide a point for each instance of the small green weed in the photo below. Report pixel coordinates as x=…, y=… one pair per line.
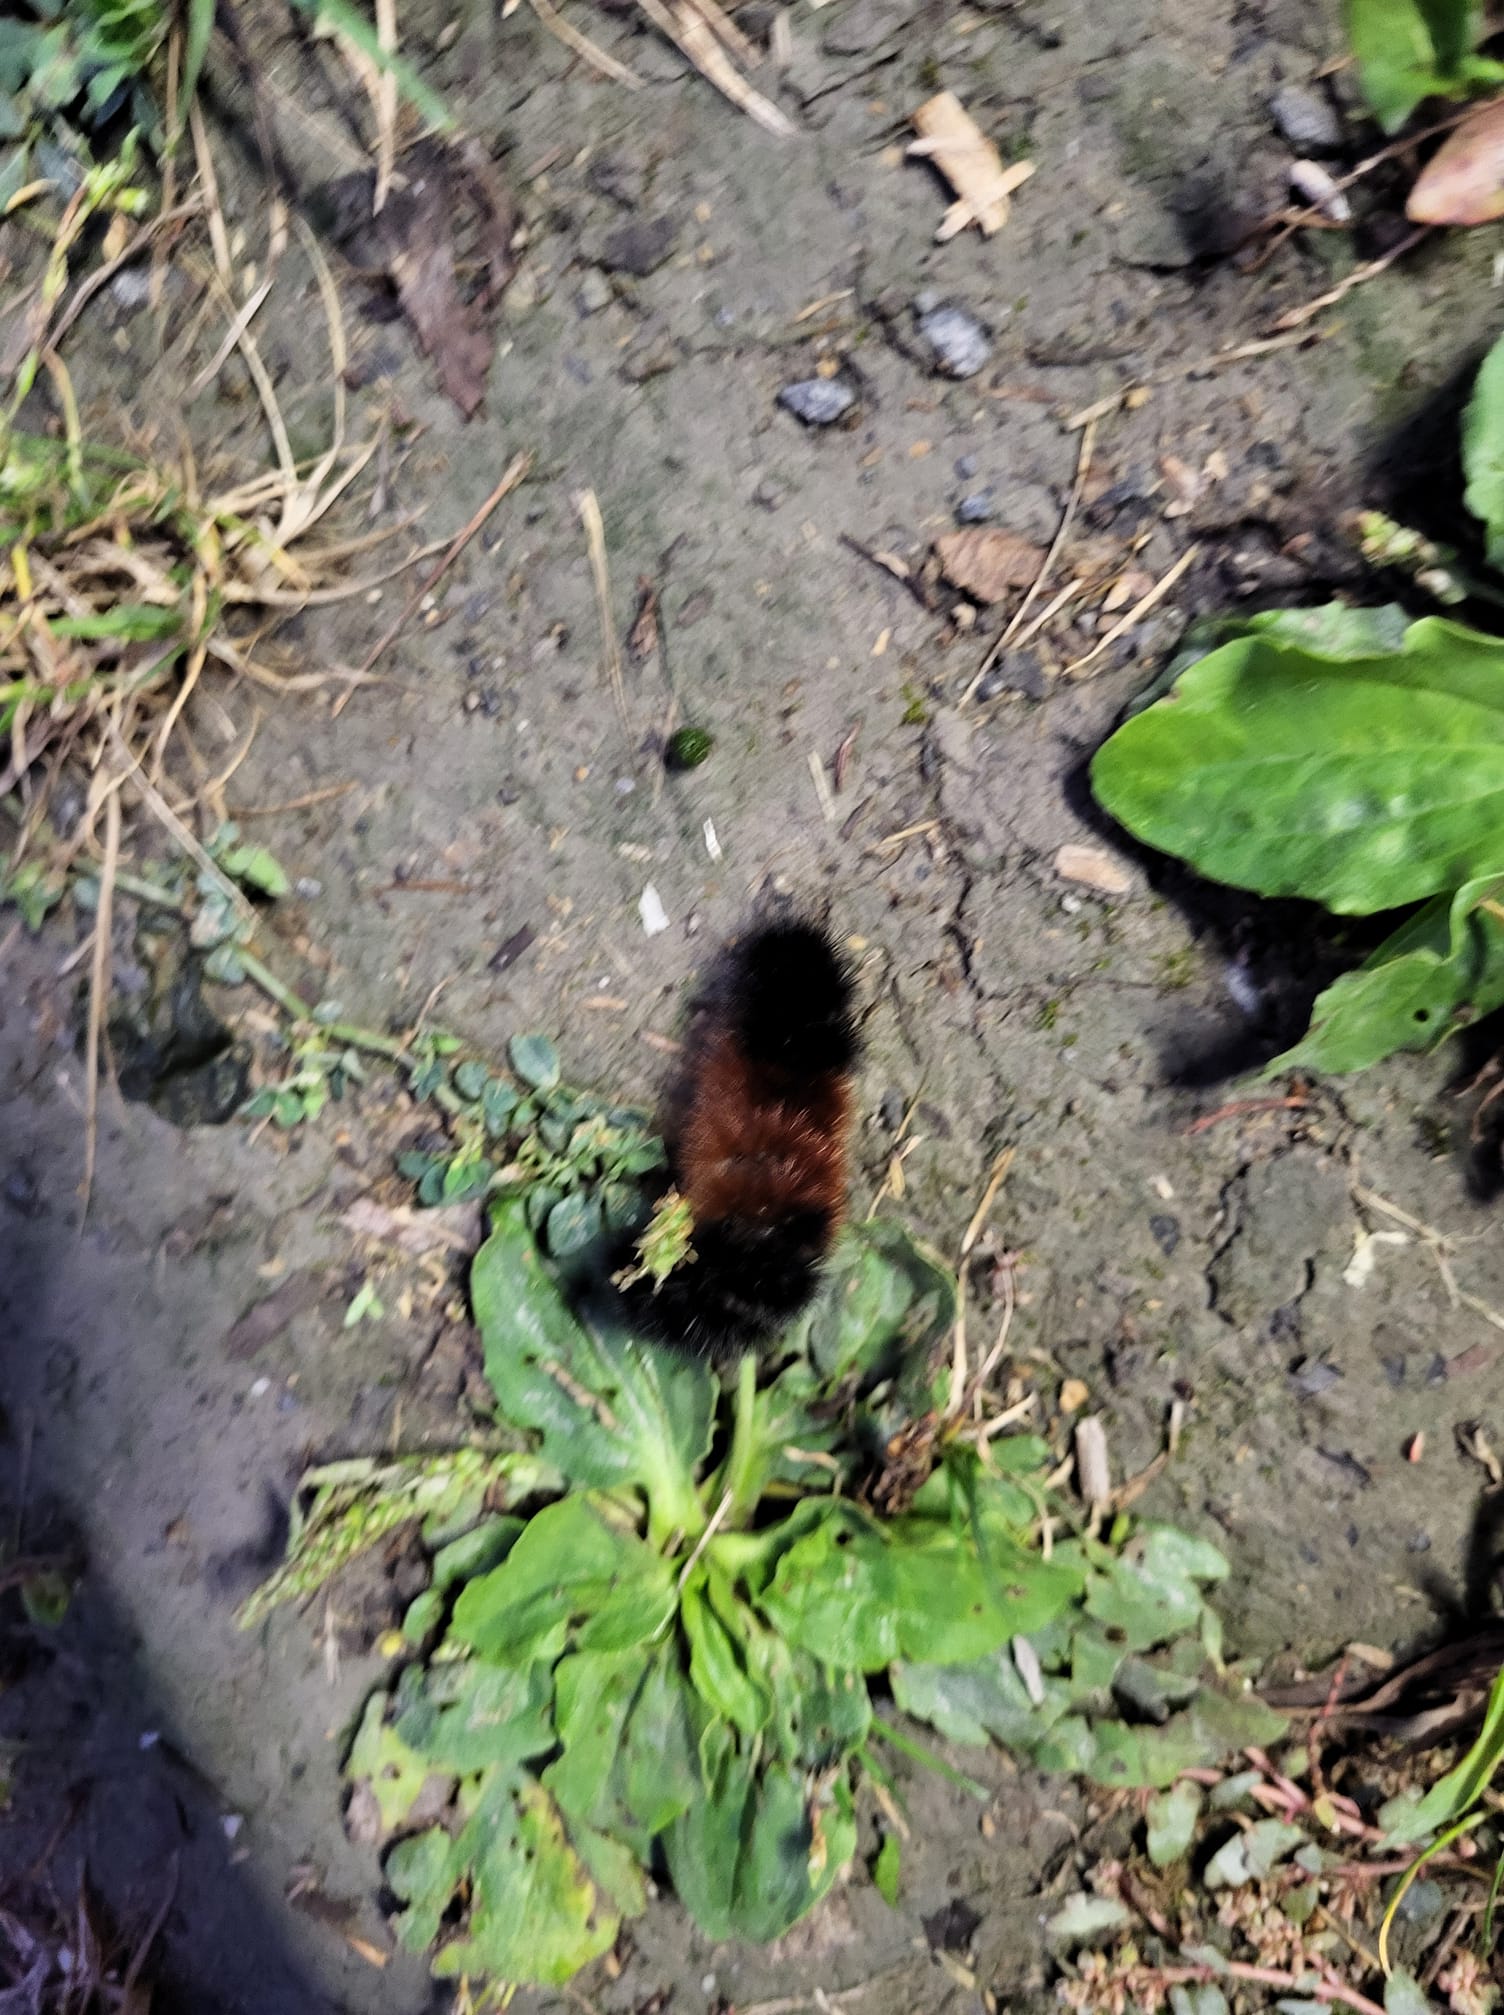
x=658, y=1632
x=1410, y=50
x=1356, y=758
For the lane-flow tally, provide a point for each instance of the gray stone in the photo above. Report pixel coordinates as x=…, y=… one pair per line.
x=976, y=509
x=595, y=293
x=957, y=340
x=818, y=402
x=1306, y=119
x=639, y=248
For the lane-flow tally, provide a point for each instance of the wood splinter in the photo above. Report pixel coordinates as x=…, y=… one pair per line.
x=952, y=139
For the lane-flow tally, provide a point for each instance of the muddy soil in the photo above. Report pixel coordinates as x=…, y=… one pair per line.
x=502, y=823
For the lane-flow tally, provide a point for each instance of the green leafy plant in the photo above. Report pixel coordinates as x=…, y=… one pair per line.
x=1410, y=50
x=1355, y=758
x=667, y=1645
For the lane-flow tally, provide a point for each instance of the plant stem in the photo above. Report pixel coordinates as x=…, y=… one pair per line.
x=918, y=1753
x=738, y=1474
x=348, y=1033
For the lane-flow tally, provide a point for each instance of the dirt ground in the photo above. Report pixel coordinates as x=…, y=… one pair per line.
x=502, y=827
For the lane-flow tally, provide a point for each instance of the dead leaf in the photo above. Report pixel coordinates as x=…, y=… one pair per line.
x=1183, y=481
x=988, y=564
x=1093, y=869
x=1463, y=182
x=451, y=207
x=452, y=1227
x=952, y=139
x=272, y=1314
x=642, y=638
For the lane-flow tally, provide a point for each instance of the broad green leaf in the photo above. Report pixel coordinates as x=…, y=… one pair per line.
x=717, y=1666
x=1363, y=783
x=572, y=1223
x=858, y=1593
x=748, y=1860
x=1443, y=967
x=394, y=1772
x=462, y=1715
x=1172, y=1817
x=1084, y=1920
x=532, y=1913
x=1407, y=50
x=889, y=1301
x=1152, y=1592
x=1456, y=1794
x=535, y=1061
x=629, y=1765
x=611, y=1411
x=886, y=1868
x=1249, y=1856
x=982, y=1701
x=571, y=1578
x=1483, y=451
x=1403, y=1995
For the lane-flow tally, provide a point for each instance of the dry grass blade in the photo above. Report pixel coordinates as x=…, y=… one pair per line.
x=692, y=30
x=384, y=97
x=99, y=985
x=580, y=44
x=1063, y=532
x=588, y=506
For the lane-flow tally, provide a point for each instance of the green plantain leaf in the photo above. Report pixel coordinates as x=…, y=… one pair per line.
x=1483, y=451
x=463, y=1715
x=628, y=1766
x=1408, y=50
x=1151, y=1592
x=1442, y=968
x=612, y=1411
x=533, y=1914
x=857, y=1593
x=749, y=1860
x=1364, y=784
x=571, y=1578
x=717, y=1663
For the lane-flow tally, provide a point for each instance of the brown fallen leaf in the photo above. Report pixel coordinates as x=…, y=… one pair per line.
x=642, y=638
x=272, y=1314
x=450, y=208
x=952, y=139
x=452, y=1227
x=1463, y=182
x=986, y=563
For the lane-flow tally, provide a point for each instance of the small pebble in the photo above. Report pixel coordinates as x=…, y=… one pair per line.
x=1418, y=1542
x=640, y=247
x=21, y=1192
x=976, y=509
x=1312, y=1377
x=725, y=318
x=957, y=340
x=768, y=494
x=817, y=401
x=309, y=887
x=966, y=467
x=594, y=293
x=650, y=909
x=1306, y=119
x=1166, y=1233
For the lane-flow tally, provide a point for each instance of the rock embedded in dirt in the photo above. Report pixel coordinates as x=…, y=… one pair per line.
x=957, y=341
x=639, y=248
x=595, y=292
x=977, y=508
x=818, y=402
x=1306, y=119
